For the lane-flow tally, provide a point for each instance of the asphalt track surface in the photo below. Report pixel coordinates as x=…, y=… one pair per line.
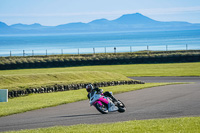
x=151, y=103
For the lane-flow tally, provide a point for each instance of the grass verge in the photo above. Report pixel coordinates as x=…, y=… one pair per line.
x=37, y=101
x=165, y=69
x=175, y=125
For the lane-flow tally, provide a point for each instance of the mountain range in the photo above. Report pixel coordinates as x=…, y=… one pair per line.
x=127, y=22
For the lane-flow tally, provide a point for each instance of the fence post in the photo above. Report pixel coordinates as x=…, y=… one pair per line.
x=78, y=51
x=61, y=51
x=23, y=52
x=166, y=48
x=130, y=49
x=46, y=52
x=147, y=49
x=32, y=52
x=186, y=47
x=93, y=50
x=105, y=50
x=10, y=53
x=115, y=50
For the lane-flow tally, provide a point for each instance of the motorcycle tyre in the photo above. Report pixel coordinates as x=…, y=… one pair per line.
x=98, y=107
x=121, y=108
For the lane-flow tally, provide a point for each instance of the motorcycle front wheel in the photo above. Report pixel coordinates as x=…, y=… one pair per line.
x=103, y=109
x=121, y=106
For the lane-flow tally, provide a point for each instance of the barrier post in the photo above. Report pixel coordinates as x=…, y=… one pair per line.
x=32, y=52
x=115, y=50
x=23, y=52
x=93, y=50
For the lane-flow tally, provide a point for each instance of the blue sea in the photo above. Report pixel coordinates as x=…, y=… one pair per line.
x=80, y=43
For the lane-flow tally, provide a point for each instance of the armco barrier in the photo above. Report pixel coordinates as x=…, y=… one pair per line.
x=56, y=88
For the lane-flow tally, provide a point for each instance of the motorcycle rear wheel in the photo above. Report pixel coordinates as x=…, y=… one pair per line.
x=102, y=109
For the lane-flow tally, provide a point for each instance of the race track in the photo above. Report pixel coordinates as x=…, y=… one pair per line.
x=157, y=102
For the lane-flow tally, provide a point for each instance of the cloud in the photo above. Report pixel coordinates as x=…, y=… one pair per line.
x=57, y=14
x=178, y=10
x=153, y=11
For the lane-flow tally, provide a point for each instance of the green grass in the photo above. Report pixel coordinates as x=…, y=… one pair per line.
x=168, y=69
x=37, y=101
x=175, y=125
x=23, y=81
x=26, y=78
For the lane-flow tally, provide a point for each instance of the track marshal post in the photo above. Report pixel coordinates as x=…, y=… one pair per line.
x=3, y=95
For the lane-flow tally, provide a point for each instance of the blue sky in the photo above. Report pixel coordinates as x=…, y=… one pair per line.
x=55, y=12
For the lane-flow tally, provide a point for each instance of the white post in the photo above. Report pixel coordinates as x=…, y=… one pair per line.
x=3, y=95
x=93, y=50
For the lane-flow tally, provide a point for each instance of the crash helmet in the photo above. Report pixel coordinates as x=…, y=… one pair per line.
x=89, y=87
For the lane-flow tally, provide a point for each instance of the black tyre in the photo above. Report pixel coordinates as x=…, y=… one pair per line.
x=103, y=109
x=121, y=106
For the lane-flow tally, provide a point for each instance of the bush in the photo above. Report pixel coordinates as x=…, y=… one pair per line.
x=99, y=59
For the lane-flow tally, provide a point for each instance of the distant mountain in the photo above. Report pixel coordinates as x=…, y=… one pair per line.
x=5, y=29
x=136, y=18
x=3, y=25
x=26, y=27
x=99, y=21
x=127, y=22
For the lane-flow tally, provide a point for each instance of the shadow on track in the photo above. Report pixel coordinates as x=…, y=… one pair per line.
x=81, y=115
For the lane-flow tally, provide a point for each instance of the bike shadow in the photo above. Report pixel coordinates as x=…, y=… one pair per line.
x=81, y=115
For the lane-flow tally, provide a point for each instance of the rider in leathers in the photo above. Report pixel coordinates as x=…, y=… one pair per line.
x=90, y=89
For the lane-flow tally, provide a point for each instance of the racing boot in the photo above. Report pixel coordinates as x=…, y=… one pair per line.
x=112, y=107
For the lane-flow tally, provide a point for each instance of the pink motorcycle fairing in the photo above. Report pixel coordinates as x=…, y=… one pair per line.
x=102, y=99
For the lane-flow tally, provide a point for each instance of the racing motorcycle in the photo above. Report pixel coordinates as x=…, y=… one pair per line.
x=105, y=104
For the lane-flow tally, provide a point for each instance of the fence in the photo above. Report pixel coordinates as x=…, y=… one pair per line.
x=95, y=50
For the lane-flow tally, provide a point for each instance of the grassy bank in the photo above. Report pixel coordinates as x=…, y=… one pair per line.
x=37, y=101
x=22, y=81
x=168, y=69
x=175, y=125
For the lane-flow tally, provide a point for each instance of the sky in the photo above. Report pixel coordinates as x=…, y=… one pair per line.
x=56, y=12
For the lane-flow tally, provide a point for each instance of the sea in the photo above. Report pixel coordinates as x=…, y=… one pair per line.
x=104, y=42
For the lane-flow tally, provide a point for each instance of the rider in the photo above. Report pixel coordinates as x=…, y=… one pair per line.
x=90, y=89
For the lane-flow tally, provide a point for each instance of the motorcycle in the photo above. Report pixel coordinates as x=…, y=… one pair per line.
x=105, y=104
